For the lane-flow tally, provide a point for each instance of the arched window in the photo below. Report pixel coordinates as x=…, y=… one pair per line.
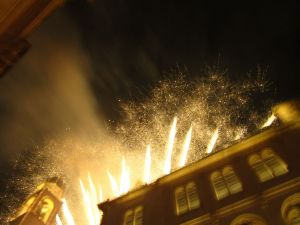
x=44, y=209
x=192, y=196
x=181, y=201
x=138, y=215
x=225, y=183
x=233, y=183
x=290, y=209
x=267, y=165
x=186, y=198
x=133, y=216
x=128, y=217
x=248, y=219
x=219, y=185
x=262, y=171
x=276, y=164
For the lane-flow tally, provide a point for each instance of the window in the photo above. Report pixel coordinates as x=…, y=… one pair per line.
x=225, y=182
x=248, y=219
x=192, y=196
x=44, y=209
x=134, y=217
x=267, y=165
x=290, y=209
x=128, y=218
x=138, y=216
x=186, y=198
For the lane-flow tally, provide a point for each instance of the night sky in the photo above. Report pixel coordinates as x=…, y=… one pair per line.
x=125, y=48
x=145, y=39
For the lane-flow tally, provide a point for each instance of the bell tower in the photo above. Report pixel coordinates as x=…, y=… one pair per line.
x=41, y=207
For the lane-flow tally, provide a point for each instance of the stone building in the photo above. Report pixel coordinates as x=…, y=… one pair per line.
x=255, y=181
x=41, y=207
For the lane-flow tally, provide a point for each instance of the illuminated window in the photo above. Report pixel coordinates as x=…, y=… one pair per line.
x=186, y=198
x=192, y=196
x=128, y=217
x=134, y=217
x=248, y=219
x=267, y=165
x=138, y=216
x=44, y=209
x=225, y=182
x=290, y=209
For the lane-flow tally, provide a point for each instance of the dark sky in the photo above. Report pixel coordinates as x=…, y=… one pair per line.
x=129, y=46
x=138, y=41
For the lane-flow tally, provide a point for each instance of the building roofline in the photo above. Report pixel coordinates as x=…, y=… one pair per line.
x=230, y=151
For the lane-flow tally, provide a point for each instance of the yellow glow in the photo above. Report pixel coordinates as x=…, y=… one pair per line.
x=67, y=213
x=92, y=187
x=100, y=194
x=125, y=178
x=167, y=167
x=147, y=172
x=185, y=148
x=269, y=121
x=58, y=220
x=113, y=184
x=86, y=200
x=90, y=202
x=213, y=140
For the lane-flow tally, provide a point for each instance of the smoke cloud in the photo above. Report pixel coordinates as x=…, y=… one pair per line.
x=52, y=124
x=46, y=98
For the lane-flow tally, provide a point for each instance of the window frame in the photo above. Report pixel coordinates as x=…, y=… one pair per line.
x=133, y=212
x=223, y=185
x=267, y=164
x=187, y=190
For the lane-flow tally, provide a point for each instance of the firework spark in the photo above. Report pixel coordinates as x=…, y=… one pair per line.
x=168, y=160
x=185, y=148
x=210, y=102
x=212, y=141
x=125, y=178
x=58, y=220
x=147, y=172
x=67, y=213
x=114, y=184
x=269, y=121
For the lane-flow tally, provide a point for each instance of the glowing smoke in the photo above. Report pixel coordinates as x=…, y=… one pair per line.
x=55, y=99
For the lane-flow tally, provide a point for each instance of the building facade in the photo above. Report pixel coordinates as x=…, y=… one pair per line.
x=255, y=181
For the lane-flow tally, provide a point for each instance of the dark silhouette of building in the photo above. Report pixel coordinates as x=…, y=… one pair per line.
x=42, y=206
x=18, y=18
x=255, y=181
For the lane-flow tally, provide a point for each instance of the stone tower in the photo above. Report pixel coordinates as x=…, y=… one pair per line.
x=41, y=207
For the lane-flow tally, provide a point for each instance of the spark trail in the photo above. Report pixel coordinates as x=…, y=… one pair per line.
x=185, y=148
x=208, y=103
x=269, y=121
x=168, y=160
x=147, y=172
x=212, y=142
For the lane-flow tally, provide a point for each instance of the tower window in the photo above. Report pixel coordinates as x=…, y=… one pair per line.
x=134, y=216
x=267, y=165
x=225, y=182
x=186, y=198
x=44, y=209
